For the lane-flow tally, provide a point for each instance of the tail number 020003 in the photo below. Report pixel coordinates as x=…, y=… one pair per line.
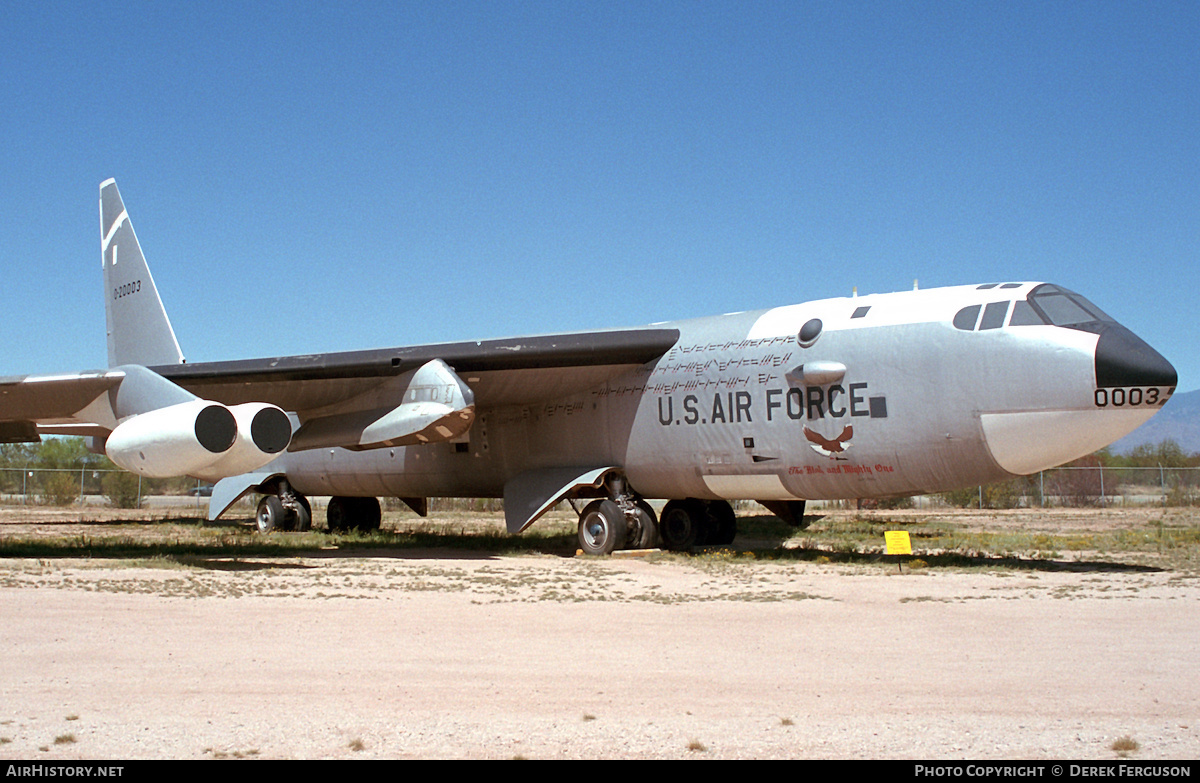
x=127, y=289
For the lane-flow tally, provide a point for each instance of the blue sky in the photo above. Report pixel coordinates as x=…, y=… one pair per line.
x=309, y=177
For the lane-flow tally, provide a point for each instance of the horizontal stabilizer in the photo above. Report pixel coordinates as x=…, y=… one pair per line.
x=437, y=406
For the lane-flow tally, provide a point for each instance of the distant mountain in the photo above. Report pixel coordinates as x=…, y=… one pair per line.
x=1178, y=420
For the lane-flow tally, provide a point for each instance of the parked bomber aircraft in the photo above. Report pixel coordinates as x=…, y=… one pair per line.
x=871, y=396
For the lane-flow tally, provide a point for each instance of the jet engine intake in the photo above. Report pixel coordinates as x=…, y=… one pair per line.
x=263, y=432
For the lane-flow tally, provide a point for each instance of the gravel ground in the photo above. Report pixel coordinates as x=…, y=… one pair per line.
x=438, y=654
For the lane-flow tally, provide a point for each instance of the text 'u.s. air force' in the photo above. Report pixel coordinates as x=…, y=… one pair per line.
x=807, y=403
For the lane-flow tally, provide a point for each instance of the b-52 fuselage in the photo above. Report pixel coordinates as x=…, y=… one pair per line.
x=859, y=397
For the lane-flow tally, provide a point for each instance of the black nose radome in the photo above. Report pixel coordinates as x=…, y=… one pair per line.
x=1124, y=359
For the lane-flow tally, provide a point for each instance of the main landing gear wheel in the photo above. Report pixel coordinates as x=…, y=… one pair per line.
x=688, y=523
x=683, y=524
x=302, y=521
x=643, y=533
x=722, y=523
x=362, y=514
x=274, y=514
x=271, y=514
x=602, y=528
x=369, y=514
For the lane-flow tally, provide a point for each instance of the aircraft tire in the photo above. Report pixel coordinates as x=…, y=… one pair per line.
x=722, y=523
x=602, y=528
x=647, y=528
x=302, y=517
x=337, y=514
x=271, y=514
x=367, y=514
x=681, y=524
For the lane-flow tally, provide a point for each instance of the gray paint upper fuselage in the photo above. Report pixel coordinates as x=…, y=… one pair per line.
x=717, y=416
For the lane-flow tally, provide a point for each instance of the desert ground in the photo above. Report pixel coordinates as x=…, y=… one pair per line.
x=121, y=643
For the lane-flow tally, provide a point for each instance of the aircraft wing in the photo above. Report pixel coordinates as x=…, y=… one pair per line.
x=63, y=404
x=347, y=392
x=511, y=371
x=159, y=416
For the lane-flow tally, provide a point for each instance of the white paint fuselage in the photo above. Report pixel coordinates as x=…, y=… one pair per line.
x=922, y=405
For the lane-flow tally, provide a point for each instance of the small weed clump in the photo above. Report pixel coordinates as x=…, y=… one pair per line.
x=1125, y=745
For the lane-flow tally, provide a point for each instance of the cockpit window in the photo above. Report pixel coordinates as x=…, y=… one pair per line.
x=1025, y=315
x=965, y=318
x=993, y=315
x=968, y=318
x=1065, y=308
x=1047, y=304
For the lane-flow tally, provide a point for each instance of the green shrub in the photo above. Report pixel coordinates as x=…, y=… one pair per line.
x=59, y=489
x=121, y=489
x=1003, y=494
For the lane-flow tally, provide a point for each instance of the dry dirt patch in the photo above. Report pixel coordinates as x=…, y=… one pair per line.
x=464, y=654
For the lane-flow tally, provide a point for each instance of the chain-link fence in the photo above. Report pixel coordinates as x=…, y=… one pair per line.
x=1087, y=486
x=1092, y=486
x=92, y=486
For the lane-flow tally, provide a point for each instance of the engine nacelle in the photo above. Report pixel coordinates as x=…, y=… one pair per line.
x=173, y=441
x=263, y=432
x=200, y=438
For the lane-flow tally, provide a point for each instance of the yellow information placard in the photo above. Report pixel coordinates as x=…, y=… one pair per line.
x=897, y=542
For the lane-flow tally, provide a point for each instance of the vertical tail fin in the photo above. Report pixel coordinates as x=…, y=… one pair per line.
x=139, y=331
